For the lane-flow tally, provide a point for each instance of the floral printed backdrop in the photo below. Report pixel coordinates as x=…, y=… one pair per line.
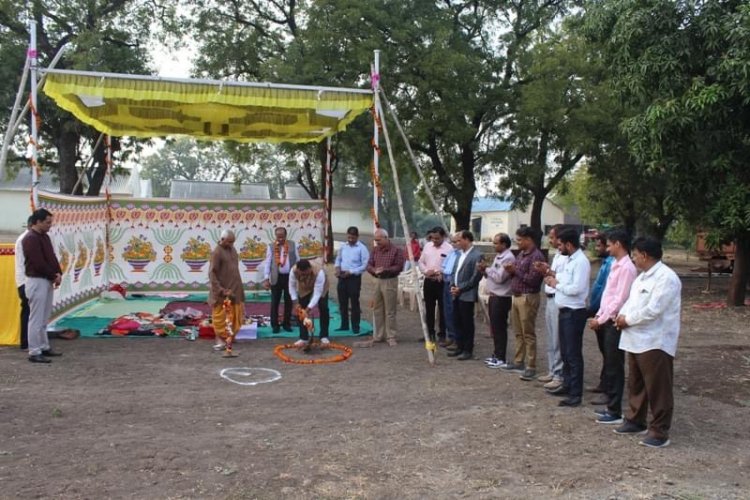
x=79, y=236
x=166, y=245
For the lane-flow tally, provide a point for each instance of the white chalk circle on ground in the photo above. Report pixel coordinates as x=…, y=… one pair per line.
x=250, y=376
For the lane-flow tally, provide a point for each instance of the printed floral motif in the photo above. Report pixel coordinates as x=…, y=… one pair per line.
x=252, y=253
x=309, y=248
x=196, y=253
x=81, y=261
x=139, y=253
x=98, y=256
x=64, y=258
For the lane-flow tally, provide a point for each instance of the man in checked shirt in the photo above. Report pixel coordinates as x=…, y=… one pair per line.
x=385, y=263
x=525, y=284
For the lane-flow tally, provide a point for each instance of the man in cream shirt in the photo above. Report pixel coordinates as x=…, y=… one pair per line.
x=650, y=324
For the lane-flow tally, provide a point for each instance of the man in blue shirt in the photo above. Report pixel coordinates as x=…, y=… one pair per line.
x=448, y=265
x=597, y=289
x=351, y=262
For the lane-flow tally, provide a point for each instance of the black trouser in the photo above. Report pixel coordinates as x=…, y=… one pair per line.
x=281, y=286
x=433, y=295
x=463, y=316
x=600, y=344
x=499, y=307
x=348, y=291
x=572, y=323
x=25, y=310
x=614, y=367
x=325, y=318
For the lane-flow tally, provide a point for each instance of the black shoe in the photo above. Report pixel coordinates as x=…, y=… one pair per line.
x=275, y=329
x=465, y=355
x=287, y=328
x=452, y=347
x=342, y=328
x=560, y=391
x=596, y=390
x=455, y=353
x=51, y=354
x=570, y=401
x=355, y=331
x=38, y=358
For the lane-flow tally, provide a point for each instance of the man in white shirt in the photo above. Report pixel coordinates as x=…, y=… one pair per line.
x=20, y=262
x=571, y=292
x=650, y=324
x=554, y=376
x=308, y=286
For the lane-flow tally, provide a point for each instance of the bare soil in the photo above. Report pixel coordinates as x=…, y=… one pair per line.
x=151, y=418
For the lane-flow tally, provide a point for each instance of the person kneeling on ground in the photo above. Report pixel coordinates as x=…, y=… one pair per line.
x=308, y=287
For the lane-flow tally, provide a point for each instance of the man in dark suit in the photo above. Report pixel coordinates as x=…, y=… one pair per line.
x=465, y=292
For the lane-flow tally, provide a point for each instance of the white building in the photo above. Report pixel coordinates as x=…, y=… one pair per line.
x=351, y=207
x=490, y=216
x=15, y=204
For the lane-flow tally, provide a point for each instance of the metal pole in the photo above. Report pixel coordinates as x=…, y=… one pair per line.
x=13, y=115
x=25, y=109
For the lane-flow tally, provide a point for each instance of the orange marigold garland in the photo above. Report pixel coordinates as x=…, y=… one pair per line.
x=346, y=353
x=277, y=253
x=228, y=353
x=278, y=351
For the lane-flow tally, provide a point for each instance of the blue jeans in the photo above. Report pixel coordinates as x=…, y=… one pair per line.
x=450, y=330
x=572, y=324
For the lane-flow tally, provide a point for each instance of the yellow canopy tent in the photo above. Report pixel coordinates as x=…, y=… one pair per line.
x=146, y=106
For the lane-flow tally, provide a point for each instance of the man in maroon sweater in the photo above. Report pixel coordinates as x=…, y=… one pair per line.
x=43, y=275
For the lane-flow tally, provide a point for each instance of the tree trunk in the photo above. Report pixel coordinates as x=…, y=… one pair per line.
x=741, y=272
x=100, y=170
x=67, y=149
x=462, y=216
x=536, y=212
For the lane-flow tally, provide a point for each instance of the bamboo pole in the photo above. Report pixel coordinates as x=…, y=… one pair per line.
x=90, y=160
x=435, y=206
x=34, y=122
x=375, y=77
x=428, y=343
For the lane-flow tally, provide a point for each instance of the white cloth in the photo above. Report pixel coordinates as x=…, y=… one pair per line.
x=20, y=261
x=572, y=288
x=558, y=262
x=320, y=281
x=652, y=312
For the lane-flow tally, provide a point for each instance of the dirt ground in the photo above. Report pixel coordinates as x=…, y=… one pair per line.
x=152, y=418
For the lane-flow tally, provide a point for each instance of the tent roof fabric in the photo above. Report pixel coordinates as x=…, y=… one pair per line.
x=145, y=106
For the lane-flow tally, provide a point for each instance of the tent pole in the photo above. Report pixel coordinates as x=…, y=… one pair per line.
x=375, y=76
x=430, y=346
x=435, y=206
x=90, y=160
x=34, y=121
x=43, y=78
x=327, y=228
x=13, y=115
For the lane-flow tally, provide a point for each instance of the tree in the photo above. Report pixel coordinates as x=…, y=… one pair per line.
x=105, y=35
x=686, y=66
x=449, y=67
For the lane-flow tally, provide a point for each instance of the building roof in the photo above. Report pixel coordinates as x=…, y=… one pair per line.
x=295, y=192
x=348, y=198
x=210, y=190
x=121, y=184
x=490, y=205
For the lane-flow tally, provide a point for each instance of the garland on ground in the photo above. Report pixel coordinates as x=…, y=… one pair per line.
x=346, y=353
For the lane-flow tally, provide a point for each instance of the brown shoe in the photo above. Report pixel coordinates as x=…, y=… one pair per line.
x=596, y=390
x=445, y=343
